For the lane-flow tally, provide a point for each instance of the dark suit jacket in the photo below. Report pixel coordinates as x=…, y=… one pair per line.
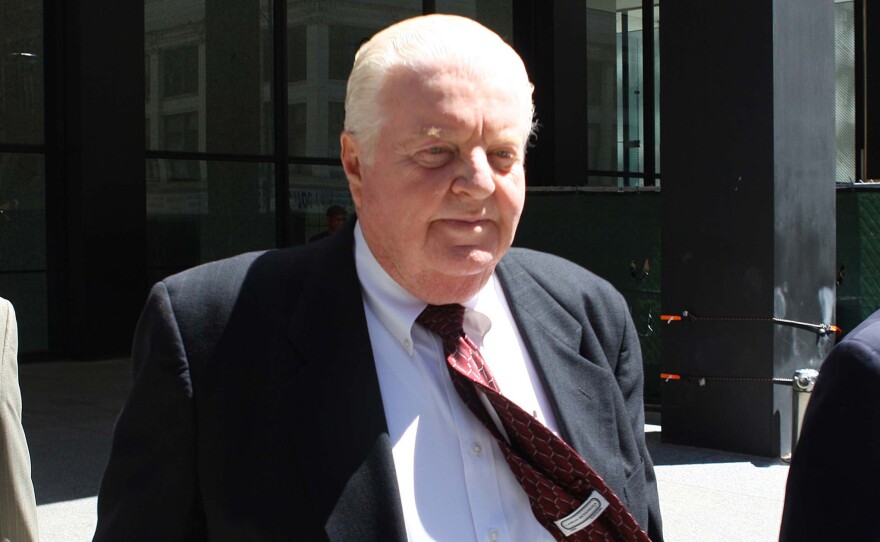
x=833, y=478
x=256, y=413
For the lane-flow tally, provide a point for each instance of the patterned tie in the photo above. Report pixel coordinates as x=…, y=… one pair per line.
x=567, y=496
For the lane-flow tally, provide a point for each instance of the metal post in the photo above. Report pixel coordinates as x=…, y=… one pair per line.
x=801, y=388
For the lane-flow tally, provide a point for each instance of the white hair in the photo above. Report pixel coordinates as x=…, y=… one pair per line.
x=418, y=42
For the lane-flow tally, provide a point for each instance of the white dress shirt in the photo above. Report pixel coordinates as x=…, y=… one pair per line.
x=454, y=482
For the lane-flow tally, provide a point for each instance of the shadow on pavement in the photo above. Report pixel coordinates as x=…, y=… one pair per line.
x=672, y=454
x=68, y=412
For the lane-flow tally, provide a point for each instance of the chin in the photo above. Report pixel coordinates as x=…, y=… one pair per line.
x=474, y=262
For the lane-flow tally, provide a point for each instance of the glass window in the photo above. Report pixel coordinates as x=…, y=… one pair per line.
x=321, y=48
x=22, y=212
x=845, y=92
x=153, y=176
x=21, y=72
x=313, y=189
x=615, y=91
x=267, y=69
x=147, y=78
x=22, y=176
x=28, y=293
x=181, y=132
x=602, y=92
x=296, y=124
x=344, y=43
x=214, y=58
x=657, y=91
x=180, y=71
x=629, y=90
x=494, y=14
x=335, y=124
x=229, y=208
x=23, y=244
x=296, y=53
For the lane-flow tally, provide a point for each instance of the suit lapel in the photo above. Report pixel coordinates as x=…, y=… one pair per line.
x=578, y=389
x=334, y=397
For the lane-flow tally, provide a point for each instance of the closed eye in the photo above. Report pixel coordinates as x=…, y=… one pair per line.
x=503, y=159
x=433, y=157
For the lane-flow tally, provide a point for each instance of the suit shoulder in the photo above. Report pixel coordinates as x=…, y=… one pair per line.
x=216, y=270
x=219, y=276
x=857, y=356
x=867, y=333
x=212, y=288
x=203, y=300
x=556, y=274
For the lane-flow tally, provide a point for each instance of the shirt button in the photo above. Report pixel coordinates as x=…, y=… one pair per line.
x=492, y=535
x=407, y=344
x=477, y=449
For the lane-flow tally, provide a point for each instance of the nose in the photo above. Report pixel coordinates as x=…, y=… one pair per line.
x=475, y=177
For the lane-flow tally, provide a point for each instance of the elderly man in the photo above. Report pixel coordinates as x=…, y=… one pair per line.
x=409, y=378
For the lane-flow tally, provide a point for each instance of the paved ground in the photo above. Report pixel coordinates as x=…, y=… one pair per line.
x=70, y=407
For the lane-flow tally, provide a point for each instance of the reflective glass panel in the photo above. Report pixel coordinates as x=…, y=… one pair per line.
x=22, y=213
x=845, y=92
x=208, y=75
x=629, y=90
x=657, y=91
x=199, y=211
x=28, y=294
x=602, y=93
x=494, y=14
x=21, y=72
x=313, y=190
x=615, y=86
x=322, y=38
x=23, y=245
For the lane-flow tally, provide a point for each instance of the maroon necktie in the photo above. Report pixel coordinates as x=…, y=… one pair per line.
x=567, y=496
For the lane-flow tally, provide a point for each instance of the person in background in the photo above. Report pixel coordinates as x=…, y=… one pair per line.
x=411, y=377
x=833, y=468
x=336, y=216
x=18, y=507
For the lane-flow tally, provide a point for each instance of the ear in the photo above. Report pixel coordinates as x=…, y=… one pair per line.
x=352, y=163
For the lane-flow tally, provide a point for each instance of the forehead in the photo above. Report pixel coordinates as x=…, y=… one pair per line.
x=443, y=97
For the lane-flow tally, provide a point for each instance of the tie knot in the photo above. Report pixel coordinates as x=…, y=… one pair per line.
x=447, y=321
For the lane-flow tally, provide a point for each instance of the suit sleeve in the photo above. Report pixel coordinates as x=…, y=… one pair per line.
x=630, y=378
x=834, y=464
x=150, y=489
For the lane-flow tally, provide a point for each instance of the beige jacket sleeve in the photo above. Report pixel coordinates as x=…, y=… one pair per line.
x=18, y=507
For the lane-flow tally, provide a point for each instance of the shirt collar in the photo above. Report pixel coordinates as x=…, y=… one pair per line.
x=398, y=309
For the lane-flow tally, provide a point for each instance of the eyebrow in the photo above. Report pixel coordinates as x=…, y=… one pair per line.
x=436, y=131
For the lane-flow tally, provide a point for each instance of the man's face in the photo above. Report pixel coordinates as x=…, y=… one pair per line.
x=440, y=201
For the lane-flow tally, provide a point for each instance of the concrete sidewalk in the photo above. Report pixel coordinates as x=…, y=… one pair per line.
x=70, y=408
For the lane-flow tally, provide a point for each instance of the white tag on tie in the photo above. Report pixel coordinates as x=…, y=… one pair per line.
x=584, y=515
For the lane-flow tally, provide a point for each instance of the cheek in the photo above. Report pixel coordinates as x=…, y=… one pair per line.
x=512, y=198
x=375, y=195
x=390, y=211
